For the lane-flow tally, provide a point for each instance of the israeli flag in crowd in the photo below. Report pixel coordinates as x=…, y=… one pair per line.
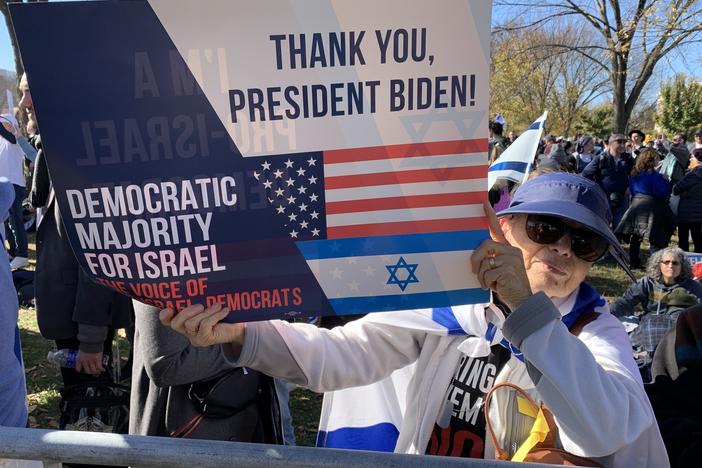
x=515, y=162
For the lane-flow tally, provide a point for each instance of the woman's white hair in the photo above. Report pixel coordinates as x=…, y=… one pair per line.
x=653, y=267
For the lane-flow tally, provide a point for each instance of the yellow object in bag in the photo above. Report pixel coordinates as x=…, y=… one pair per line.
x=538, y=434
x=539, y=446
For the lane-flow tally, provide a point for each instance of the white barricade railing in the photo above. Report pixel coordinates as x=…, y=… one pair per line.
x=56, y=447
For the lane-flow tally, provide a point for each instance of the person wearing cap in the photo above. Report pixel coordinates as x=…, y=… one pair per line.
x=543, y=246
x=611, y=170
x=636, y=137
x=497, y=143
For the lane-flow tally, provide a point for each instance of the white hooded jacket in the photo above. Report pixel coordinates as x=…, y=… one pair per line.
x=589, y=382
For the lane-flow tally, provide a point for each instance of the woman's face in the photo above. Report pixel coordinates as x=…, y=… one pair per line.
x=670, y=268
x=551, y=268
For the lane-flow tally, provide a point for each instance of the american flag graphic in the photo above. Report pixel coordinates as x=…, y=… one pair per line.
x=378, y=191
x=294, y=187
x=406, y=217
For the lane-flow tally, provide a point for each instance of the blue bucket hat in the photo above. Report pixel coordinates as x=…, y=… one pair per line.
x=571, y=197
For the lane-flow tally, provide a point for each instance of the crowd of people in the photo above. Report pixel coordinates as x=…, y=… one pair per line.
x=545, y=332
x=652, y=183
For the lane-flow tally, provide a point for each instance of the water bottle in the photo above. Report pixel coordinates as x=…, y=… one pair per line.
x=67, y=358
x=63, y=358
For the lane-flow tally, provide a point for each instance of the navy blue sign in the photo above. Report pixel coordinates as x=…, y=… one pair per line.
x=175, y=190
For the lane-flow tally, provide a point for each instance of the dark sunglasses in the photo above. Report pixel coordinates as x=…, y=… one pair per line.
x=670, y=262
x=584, y=243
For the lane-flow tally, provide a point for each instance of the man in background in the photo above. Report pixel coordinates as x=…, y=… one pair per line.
x=611, y=170
x=71, y=309
x=497, y=144
x=637, y=141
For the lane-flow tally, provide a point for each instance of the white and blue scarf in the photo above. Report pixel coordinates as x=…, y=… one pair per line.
x=369, y=417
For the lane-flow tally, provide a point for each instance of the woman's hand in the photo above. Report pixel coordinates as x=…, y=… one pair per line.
x=499, y=266
x=203, y=327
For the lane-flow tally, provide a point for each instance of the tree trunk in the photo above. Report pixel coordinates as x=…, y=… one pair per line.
x=620, y=117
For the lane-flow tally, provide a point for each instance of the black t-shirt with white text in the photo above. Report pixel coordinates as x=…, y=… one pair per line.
x=460, y=429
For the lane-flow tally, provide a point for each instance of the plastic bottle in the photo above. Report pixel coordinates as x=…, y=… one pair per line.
x=67, y=358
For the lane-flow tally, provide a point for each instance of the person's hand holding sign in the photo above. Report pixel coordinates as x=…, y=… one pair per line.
x=500, y=266
x=203, y=326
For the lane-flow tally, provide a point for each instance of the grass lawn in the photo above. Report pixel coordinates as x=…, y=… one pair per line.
x=43, y=379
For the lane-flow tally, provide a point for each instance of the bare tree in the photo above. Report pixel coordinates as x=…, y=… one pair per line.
x=529, y=75
x=632, y=37
x=580, y=81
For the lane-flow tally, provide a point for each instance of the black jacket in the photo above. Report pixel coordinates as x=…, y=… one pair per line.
x=690, y=191
x=68, y=303
x=612, y=175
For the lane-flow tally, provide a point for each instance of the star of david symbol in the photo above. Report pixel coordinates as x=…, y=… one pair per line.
x=402, y=265
x=465, y=123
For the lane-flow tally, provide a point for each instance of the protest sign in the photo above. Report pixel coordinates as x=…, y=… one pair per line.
x=695, y=260
x=694, y=257
x=280, y=157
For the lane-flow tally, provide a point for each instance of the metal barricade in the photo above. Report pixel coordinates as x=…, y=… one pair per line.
x=57, y=447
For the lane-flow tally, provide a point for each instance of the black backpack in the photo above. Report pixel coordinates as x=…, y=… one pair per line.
x=95, y=407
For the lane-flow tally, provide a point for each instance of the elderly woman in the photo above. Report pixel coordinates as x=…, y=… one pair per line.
x=667, y=289
x=649, y=215
x=666, y=270
x=546, y=331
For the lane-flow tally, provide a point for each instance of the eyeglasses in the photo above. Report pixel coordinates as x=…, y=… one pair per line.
x=584, y=243
x=670, y=262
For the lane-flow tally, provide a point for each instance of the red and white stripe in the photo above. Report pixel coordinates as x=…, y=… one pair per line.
x=405, y=189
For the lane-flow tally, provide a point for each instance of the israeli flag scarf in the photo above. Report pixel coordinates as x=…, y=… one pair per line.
x=369, y=417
